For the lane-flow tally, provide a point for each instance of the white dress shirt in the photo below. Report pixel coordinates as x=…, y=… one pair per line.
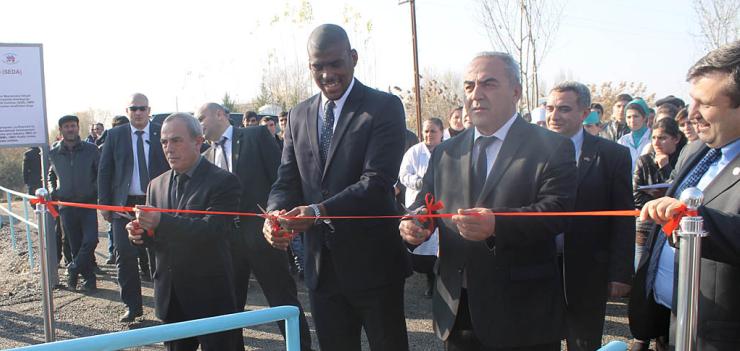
x=492, y=149
x=135, y=187
x=338, y=105
x=228, y=145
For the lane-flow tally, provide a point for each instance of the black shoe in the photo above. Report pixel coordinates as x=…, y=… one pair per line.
x=89, y=286
x=145, y=276
x=71, y=281
x=111, y=260
x=130, y=316
x=428, y=293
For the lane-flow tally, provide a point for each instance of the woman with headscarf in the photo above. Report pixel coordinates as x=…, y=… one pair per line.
x=636, y=113
x=413, y=167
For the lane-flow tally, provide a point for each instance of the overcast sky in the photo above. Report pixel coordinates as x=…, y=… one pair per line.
x=182, y=54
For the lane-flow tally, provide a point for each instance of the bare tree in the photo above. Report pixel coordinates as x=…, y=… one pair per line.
x=718, y=20
x=440, y=93
x=525, y=29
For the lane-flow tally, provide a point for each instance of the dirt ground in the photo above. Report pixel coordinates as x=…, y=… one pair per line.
x=79, y=315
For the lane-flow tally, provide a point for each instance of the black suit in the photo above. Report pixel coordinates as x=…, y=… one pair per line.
x=597, y=250
x=513, y=291
x=255, y=158
x=719, y=288
x=114, y=178
x=32, y=169
x=355, y=274
x=194, y=277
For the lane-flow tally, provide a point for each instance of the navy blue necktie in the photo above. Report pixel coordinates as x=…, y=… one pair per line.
x=327, y=131
x=691, y=180
x=141, y=161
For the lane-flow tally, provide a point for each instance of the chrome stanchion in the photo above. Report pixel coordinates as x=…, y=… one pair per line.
x=689, y=269
x=47, y=299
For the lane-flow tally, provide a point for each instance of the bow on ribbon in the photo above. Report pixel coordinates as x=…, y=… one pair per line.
x=431, y=206
x=672, y=224
x=43, y=201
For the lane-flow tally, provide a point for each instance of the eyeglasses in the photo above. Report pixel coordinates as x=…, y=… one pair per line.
x=138, y=108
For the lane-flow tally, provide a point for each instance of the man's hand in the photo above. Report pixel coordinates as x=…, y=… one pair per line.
x=280, y=239
x=617, y=289
x=475, y=224
x=298, y=224
x=106, y=215
x=135, y=232
x=660, y=210
x=148, y=220
x=412, y=233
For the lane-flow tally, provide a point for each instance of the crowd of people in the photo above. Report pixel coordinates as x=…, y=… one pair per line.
x=496, y=282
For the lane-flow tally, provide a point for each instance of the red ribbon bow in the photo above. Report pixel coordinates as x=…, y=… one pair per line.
x=41, y=200
x=431, y=206
x=673, y=224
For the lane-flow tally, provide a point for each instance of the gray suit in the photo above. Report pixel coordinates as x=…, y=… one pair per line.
x=513, y=290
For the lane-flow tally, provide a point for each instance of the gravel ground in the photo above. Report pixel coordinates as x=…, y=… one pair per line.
x=79, y=315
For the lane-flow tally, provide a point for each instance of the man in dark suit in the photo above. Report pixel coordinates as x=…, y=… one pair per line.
x=252, y=154
x=342, y=153
x=712, y=165
x=497, y=284
x=32, y=169
x=194, y=278
x=596, y=252
x=131, y=157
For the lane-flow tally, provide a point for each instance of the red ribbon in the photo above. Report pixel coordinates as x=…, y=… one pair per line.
x=673, y=224
x=49, y=205
x=431, y=206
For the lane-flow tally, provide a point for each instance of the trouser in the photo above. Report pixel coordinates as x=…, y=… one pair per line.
x=81, y=232
x=223, y=341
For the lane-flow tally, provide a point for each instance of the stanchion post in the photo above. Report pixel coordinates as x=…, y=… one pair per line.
x=689, y=270
x=10, y=220
x=47, y=298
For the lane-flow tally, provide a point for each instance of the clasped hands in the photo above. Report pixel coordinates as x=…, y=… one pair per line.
x=297, y=220
x=475, y=224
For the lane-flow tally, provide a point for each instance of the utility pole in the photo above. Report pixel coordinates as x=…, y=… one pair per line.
x=417, y=86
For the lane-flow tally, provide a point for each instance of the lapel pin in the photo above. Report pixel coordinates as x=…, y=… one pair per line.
x=736, y=171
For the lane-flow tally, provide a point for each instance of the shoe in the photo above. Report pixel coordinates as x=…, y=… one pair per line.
x=145, y=276
x=428, y=293
x=72, y=281
x=89, y=286
x=111, y=260
x=130, y=316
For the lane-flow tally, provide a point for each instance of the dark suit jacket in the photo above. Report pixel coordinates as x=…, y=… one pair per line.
x=600, y=248
x=255, y=158
x=117, y=163
x=192, y=250
x=32, y=168
x=719, y=288
x=513, y=288
x=362, y=166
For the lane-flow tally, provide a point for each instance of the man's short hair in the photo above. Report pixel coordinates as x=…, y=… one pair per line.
x=583, y=93
x=283, y=114
x=512, y=67
x=267, y=119
x=681, y=114
x=726, y=59
x=68, y=118
x=119, y=120
x=598, y=106
x=250, y=114
x=624, y=97
x=191, y=123
x=99, y=124
x=668, y=108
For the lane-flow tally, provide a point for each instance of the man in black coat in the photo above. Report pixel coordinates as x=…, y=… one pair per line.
x=343, y=149
x=194, y=278
x=32, y=169
x=596, y=253
x=131, y=157
x=711, y=164
x=497, y=281
x=252, y=154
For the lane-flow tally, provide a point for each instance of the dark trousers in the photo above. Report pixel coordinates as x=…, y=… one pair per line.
x=270, y=267
x=223, y=341
x=340, y=315
x=81, y=231
x=126, y=264
x=463, y=338
x=63, y=249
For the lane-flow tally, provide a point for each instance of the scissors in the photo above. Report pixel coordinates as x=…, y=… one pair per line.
x=130, y=217
x=273, y=221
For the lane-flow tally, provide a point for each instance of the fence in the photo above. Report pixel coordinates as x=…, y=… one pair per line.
x=9, y=194
x=174, y=331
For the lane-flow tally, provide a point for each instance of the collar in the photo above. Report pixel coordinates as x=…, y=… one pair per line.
x=501, y=133
x=75, y=146
x=730, y=151
x=338, y=104
x=229, y=133
x=146, y=129
x=190, y=171
x=577, y=139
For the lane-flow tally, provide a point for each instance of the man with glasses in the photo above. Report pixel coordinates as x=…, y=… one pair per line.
x=131, y=157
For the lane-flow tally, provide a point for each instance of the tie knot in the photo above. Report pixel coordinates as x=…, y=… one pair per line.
x=330, y=105
x=713, y=155
x=182, y=178
x=484, y=141
x=139, y=132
